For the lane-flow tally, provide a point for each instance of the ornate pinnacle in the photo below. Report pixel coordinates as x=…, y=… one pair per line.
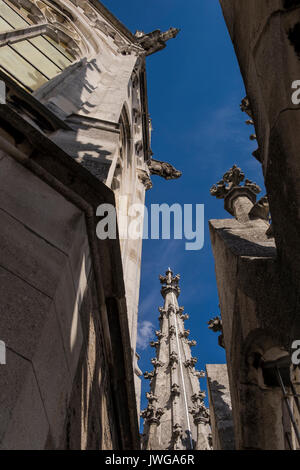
x=230, y=189
x=154, y=344
x=169, y=283
x=192, y=343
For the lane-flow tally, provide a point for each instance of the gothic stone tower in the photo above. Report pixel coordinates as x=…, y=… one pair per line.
x=176, y=417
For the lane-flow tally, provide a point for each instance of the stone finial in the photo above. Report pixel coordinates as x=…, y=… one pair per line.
x=163, y=169
x=170, y=284
x=154, y=344
x=238, y=200
x=156, y=40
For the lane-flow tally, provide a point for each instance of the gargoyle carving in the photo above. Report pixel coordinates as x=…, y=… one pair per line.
x=156, y=40
x=163, y=169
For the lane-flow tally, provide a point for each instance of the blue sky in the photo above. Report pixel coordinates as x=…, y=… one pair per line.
x=194, y=91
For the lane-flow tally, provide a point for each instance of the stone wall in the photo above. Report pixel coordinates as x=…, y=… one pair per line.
x=220, y=407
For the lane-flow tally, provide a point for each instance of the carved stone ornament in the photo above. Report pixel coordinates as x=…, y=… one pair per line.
x=215, y=324
x=173, y=359
x=200, y=396
x=145, y=179
x=200, y=414
x=152, y=414
x=156, y=363
x=177, y=436
x=191, y=362
x=175, y=390
x=163, y=169
x=156, y=40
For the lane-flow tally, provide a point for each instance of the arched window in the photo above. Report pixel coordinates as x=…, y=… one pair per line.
x=31, y=51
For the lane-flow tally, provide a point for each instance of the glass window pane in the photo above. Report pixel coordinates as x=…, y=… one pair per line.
x=36, y=58
x=20, y=69
x=51, y=52
x=11, y=16
x=61, y=48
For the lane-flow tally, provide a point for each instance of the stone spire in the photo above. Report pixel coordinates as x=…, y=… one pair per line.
x=176, y=417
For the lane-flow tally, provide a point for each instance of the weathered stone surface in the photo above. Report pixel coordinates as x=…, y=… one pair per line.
x=41, y=209
x=220, y=407
x=24, y=423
